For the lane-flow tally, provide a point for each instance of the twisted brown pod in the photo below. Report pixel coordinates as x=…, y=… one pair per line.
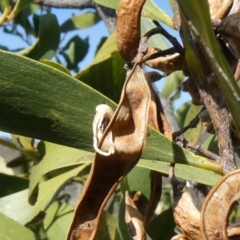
x=217, y=207
x=128, y=127
x=166, y=64
x=219, y=8
x=128, y=28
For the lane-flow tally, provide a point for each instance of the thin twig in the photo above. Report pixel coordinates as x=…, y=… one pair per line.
x=192, y=124
x=170, y=38
x=200, y=149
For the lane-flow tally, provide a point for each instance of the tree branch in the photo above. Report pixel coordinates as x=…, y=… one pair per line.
x=81, y=4
x=108, y=15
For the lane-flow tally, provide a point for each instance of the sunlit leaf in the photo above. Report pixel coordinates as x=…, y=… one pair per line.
x=137, y=180
x=26, y=146
x=171, y=152
x=84, y=20
x=171, y=83
x=56, y=65
x=41, y=102
x=57, y=157
x=9, y=229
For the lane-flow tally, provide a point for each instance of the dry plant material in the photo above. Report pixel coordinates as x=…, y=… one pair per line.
x=180, y=237
x=166, y=64
x=187, y=216
x=233, y=232
x=219, y=8
x=229, y=29
x=102, y=117
x=218, y=205
x=133, y=219
x=235, y=8
x=128, y=28
x=128, y=126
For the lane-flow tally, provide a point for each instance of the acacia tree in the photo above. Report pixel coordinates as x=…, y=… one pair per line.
x=138, y=142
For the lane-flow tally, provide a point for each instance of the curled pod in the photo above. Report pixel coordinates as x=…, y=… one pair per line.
x=219, y=8
x=128, y=28
x=166, y=64
x=187, y=216
x=229, y=29
x=134, y=219
x=218, y=205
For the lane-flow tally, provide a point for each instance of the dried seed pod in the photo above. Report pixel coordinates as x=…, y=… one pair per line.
x=129, y=127
x=219, y=8
x=229, y=29
x=233, y=232
x=133, y=219
x=180, y=237
x=128, y=28
x=235, y=8
x=190, y=86
x=217, y=206
x=166, y=64
x=187, y=217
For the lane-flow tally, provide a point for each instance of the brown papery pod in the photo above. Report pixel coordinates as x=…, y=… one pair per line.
x=128, y=127
x=229, y=29
x=166, y=64
x=187, y=217
x=218, y=205
x=219, y=8
x=133, y=219
x=235, y=8
x=128, y=28
x=234, y=232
